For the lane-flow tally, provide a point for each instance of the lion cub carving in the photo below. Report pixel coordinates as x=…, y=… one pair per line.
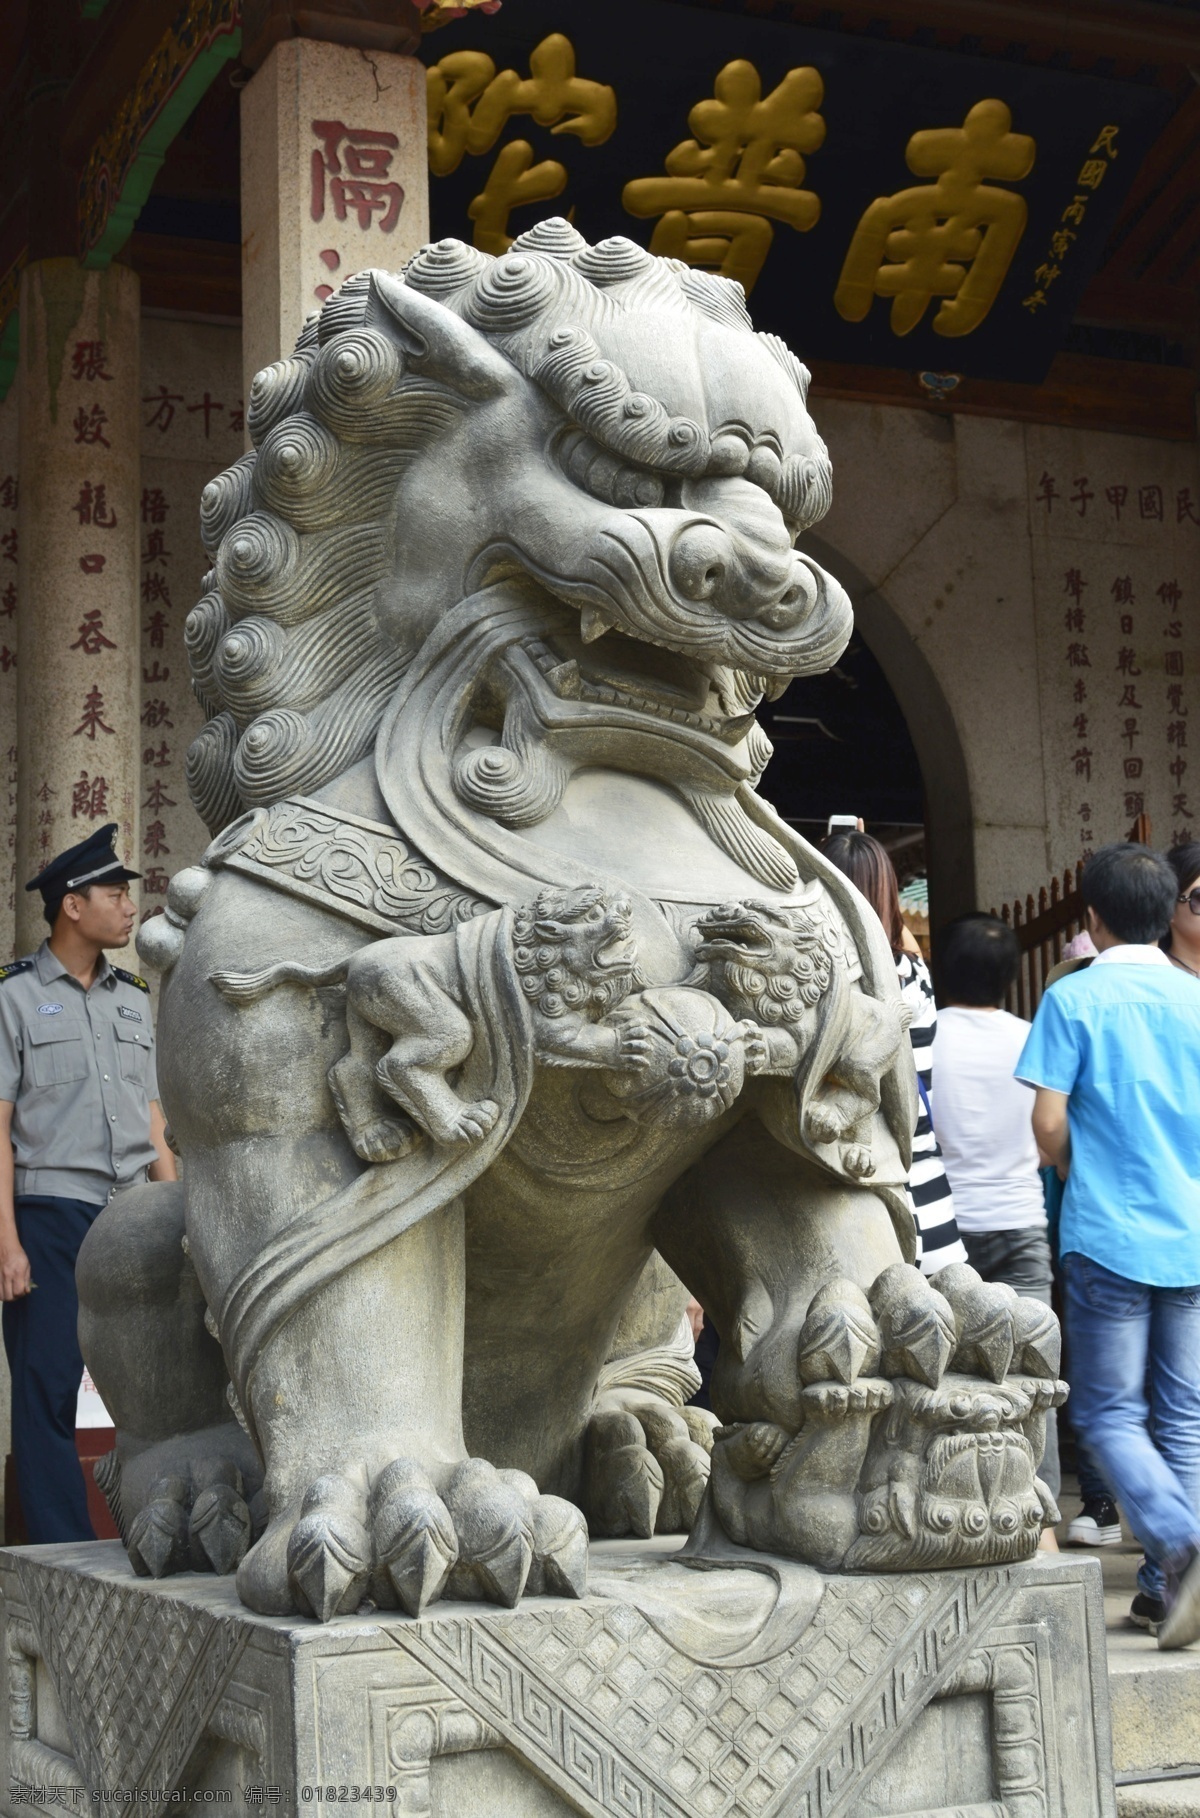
x=575, y=956
x=784, y=970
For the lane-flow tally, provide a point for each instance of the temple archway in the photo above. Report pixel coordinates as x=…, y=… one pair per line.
x=876, y=737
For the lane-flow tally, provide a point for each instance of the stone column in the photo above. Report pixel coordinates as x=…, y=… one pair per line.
x=334, y=179
x=78, y=702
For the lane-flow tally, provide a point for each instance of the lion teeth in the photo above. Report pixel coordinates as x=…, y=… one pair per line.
x=593, y=623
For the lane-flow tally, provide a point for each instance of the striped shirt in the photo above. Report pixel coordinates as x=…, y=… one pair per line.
x=938, y=1241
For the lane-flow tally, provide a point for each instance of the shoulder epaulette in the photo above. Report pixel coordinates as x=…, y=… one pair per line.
x=11, y=970
x=127, y=978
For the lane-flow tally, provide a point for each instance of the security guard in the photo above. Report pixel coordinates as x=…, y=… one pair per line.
x=78, y=1118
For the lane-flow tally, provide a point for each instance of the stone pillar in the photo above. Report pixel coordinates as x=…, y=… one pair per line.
x=78, y=703
x=334, y=179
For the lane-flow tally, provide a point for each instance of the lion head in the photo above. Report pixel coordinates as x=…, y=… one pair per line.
x=770, y=964
x=574, y=951
x=600, y=424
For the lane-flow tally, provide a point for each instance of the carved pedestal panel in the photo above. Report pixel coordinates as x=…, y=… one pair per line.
x=669, y=1691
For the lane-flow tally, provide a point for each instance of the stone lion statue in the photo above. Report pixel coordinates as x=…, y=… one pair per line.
x=502, y=1005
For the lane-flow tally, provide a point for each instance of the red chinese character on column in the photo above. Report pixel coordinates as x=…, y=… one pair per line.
x=154, y=500
x=1135, y=805
x=93, y=716
x=157, y=759
x=1185, y=510
x=1074, y=583
x=1150, y=502
x=8, y=543
x=1175, y=700
x=1126, y=663
x=91, y=639
x=1176, y=733
x=91, y=564
x=1179, y=805
x=1122, y=590
x=155, y=881
x=1133, y=768
x=1079, y=692
x=1173, y=662
x=1073, y=618
x=156, y=547
x=1116, y=496
x=1170, y=593
x=154, y=587
x=1129, y=698
x=155, y=628
x=1083, y=496
x=1132, y=731
x=92, y=506
x=1077, y=656
x=8, y=601
x=1177, y=766
x=1082, y=760
x=154, y=840
x=157, y=797
x=89, y=426
x=8, y=658
x=368, y=163
x=90, y=361
x=156, y=713
x=89, y=797
x=8, y=492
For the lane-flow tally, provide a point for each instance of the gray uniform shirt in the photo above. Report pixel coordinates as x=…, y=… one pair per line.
x=78, y=1068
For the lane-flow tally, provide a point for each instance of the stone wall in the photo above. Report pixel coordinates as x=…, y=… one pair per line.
x=1049, y=579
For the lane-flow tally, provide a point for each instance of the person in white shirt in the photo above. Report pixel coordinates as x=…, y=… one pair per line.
x=984, y=1121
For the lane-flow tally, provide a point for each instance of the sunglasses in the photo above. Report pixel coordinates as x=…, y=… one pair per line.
x=1192, y=899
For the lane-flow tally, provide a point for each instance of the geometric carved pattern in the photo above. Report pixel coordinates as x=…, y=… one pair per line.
x=621, y=1721
x=1009, y=1672
x=137, y=1676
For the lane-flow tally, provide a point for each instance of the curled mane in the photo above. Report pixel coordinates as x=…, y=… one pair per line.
x=286, y=651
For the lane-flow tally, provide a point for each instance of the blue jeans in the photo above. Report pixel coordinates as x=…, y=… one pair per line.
x=1125, y=1336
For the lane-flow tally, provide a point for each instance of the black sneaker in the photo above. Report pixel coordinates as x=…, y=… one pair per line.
x=1146, y=1612
x=1098, y=1524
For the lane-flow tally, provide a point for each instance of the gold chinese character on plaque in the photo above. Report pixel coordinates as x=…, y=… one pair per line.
x=470, y=105
x=743, y=169
x=952, y=239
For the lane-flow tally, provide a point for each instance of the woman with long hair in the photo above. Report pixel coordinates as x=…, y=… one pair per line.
x=1181, y=942
x=866, y=863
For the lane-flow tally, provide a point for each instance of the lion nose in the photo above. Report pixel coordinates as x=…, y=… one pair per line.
x=699, y=562
x=737, y=576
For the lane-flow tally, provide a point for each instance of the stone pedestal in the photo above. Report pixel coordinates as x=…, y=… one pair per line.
x=334, y=179
x=668, y=1692
x=80, y=684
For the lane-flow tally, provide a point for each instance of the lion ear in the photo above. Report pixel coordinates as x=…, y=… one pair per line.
x=548, y=931
x=436, y=342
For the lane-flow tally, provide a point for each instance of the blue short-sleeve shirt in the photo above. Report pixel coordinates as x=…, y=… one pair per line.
x=1122, y=1039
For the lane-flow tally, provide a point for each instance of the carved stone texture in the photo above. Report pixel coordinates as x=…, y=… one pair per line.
x=667, y=1692
x=499, y=976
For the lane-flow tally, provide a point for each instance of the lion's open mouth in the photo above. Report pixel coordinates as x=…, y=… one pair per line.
x=732, y=930
x=618, y=954
x=642, y=679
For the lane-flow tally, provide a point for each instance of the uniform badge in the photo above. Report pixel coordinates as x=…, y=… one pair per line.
x=133, y=1016
x=49, y=1009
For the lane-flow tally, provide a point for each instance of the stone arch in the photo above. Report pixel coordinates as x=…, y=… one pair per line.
x=934, y=734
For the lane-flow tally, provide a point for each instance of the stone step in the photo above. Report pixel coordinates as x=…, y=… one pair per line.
x=1155, y=1705
x=1160, y=1799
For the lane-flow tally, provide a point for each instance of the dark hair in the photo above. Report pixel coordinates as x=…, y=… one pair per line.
x=978, y=958
x=50, y=910
x=1132, y=890
x=866, y=863
x=1185, y=863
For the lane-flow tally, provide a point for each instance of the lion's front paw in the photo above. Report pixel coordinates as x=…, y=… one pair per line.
x=474, y=1533
x=917, y=1421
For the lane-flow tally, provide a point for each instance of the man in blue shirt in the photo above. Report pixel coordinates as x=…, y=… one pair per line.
x=1115, y=1056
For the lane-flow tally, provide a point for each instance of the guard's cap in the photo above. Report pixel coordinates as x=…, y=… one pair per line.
x=93, y=861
